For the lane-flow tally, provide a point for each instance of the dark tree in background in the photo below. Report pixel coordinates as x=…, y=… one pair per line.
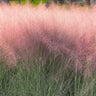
x=88, y=2
x=81, y=2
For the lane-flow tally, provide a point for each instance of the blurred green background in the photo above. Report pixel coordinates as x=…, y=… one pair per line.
x=35, y=2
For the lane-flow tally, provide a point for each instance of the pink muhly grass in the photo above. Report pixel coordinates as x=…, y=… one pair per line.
x=72, y=31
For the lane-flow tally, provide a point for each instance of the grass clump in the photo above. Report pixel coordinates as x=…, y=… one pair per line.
x=51, y=79
x=54, y=29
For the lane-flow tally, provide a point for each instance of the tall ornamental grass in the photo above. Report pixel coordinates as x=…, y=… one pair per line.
x=26, y=31
x=47, y=51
